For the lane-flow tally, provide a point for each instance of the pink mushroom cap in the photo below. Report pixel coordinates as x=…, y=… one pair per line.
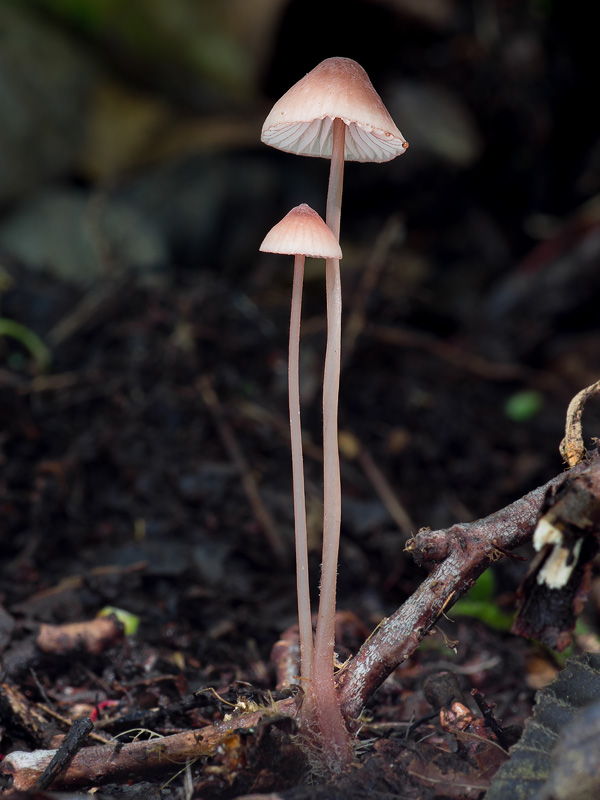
x=301, y=121
x=302, y=232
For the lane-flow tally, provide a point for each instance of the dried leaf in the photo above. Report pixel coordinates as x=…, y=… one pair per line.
x=566, y=536
x=531, y=760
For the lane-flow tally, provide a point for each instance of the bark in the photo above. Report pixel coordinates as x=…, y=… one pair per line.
x=460, y=555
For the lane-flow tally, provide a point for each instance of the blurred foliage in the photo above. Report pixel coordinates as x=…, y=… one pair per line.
x=522, y=406
x=216, y=42
x=480, y=602
x=29, y=340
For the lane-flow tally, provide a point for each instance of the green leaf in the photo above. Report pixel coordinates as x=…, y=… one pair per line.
x=524, y=405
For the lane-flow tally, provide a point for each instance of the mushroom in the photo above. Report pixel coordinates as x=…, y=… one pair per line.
x=333, y=112
x=300, y=233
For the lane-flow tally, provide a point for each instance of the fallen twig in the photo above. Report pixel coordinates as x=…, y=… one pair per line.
x=455, y=355
x=460, y=553
x=117, y=762
x=261, y=512
x=92, y=304
x=385, y=492
x=393, y=231
x=91, y=636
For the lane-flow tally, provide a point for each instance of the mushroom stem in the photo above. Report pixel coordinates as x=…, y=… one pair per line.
x=304, y=614
x=335, y=736
x=301, y=232
x=336, y=178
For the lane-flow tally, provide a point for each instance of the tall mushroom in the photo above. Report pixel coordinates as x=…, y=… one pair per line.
x=300, y=233
x=333, y=112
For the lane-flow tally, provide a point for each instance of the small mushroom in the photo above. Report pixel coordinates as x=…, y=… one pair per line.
x=333, y=112
x=300, y=233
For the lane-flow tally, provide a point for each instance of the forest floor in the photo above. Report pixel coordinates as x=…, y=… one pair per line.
x=125, y=483
x=145, y=457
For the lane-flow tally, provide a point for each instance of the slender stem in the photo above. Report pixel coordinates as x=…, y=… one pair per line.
x=336, y=179
x=335, y=737
x=304, y=615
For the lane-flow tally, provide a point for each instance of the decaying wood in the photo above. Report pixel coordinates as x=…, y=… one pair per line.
x=572, y=448
x=36, y=721
x=116, y=762
x=93, y=636
x=22, y=712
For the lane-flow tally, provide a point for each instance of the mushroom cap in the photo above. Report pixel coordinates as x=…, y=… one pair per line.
x=301, y=121
x=302, y=232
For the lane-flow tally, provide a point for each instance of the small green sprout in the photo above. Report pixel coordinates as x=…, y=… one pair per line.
x=130, y=622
